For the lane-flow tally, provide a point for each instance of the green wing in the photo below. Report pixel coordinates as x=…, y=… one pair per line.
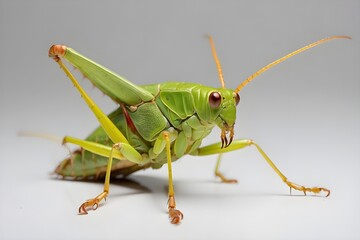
x=113, y=85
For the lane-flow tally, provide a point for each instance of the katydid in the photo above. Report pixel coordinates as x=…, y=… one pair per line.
x=156, y=124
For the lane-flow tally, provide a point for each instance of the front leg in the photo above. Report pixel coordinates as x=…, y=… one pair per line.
x=219, y=174
x=239, y=144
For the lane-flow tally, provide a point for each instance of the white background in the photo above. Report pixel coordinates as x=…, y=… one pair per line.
x=305, y=114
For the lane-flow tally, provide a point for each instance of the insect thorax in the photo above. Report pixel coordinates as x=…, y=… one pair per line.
x=185, y=139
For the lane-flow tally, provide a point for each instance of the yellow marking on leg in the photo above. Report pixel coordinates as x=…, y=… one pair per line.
x=109, y=127
x=169, y=163
x=268, y=160
x=93, y=147
x=239, y=144
x=94, y=202
x=175, y=215
x=282, y=176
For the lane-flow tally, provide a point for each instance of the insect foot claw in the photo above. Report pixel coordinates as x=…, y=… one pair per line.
x=306, y=189
x=224, y=179
x=91, y=203
x=175, y=216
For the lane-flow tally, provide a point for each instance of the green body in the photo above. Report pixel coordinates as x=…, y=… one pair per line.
x=180, y=108
x=155, y=125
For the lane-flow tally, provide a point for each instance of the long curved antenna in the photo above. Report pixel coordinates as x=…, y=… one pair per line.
x=267, y=67
x=41, y=135
x=217, y=62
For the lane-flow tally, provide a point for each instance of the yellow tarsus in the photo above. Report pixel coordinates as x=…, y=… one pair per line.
x=274, y=63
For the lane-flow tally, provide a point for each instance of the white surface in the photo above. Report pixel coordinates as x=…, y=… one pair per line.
x=305, y=113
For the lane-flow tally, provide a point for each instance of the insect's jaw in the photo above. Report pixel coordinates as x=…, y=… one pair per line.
x=226, y=140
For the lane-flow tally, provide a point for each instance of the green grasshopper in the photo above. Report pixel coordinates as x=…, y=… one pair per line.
x=155, y=125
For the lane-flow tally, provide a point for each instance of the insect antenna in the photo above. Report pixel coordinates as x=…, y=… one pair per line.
x=217, y=62
x=41, y=135
x=276, y=62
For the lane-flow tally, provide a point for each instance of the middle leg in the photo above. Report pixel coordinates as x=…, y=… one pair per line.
x=175, y=215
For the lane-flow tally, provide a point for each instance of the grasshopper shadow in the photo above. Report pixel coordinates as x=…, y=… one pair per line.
x=198, y=190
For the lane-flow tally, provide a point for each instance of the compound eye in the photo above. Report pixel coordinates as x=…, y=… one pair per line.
x=237, y=99
x=215, y=99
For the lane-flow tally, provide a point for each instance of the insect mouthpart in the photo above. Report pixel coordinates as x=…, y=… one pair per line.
x=225, y=140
